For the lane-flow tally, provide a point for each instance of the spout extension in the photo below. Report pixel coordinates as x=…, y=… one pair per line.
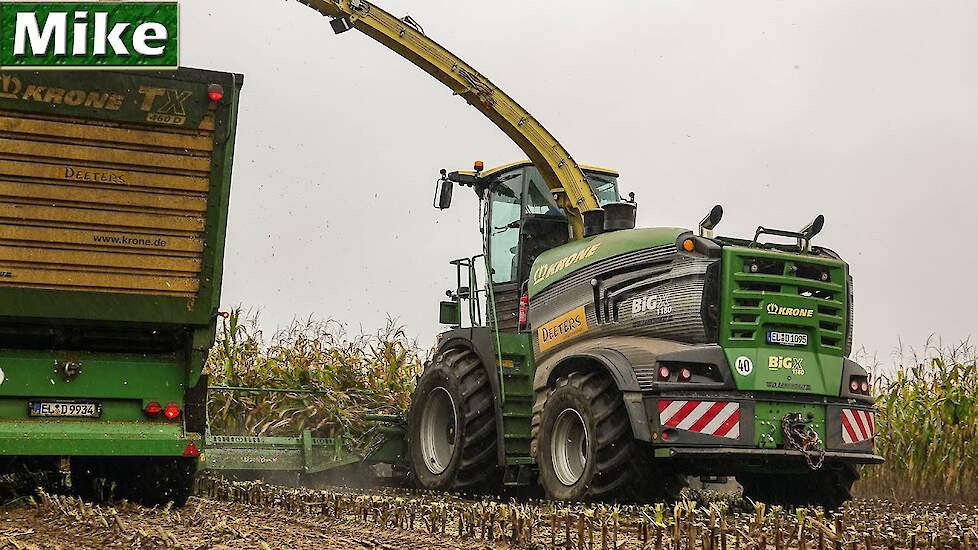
x=809, y=231
x=711, y=221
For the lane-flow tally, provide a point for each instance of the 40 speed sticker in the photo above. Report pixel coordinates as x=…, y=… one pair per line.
x=744, y=366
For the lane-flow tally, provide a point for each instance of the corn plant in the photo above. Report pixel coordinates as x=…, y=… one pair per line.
x=351, y=377
x=927, y=428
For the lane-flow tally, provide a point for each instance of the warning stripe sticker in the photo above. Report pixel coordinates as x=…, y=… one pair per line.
x=716, y=418
x=857, y=426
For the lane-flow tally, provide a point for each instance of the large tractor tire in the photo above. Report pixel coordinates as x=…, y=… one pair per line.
x=584, y=444
x=451, y=424
x=827, y=487
x=150, y=481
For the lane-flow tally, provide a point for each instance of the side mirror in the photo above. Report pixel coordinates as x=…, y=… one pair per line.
x=450, y=313
x=443, y=192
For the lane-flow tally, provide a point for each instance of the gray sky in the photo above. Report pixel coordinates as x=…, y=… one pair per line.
x=863, y=110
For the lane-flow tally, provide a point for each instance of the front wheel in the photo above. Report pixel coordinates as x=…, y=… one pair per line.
x=451, y=424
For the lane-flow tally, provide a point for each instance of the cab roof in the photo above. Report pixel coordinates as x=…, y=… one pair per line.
x=523, y=163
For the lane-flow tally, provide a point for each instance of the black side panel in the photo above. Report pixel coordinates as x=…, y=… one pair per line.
x=507, y=299
x=195, y=406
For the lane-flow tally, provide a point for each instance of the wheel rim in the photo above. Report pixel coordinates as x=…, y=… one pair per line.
x=438, y=428
x=568, y=447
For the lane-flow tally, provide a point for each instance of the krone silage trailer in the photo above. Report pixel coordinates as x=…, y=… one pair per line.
x=114, y=191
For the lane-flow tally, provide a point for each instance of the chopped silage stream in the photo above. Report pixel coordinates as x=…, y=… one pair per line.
x=258, y=515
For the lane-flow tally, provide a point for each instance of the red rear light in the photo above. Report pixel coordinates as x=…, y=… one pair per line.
x=524, y=310
x=663, y=373
x=864, y=387
x=215, y=92
x=685, y=374
x=153, y=409
x=854, y=385
x=171, y=411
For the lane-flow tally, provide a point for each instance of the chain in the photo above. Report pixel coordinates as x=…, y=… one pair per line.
x=799, y=435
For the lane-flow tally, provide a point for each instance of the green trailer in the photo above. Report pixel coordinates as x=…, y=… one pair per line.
x=114, y=190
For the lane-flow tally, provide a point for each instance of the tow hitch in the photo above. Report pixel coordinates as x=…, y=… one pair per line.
x=800, y=436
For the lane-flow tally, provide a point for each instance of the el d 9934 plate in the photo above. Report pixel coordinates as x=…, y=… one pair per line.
x=64, y=409
x=787, y=338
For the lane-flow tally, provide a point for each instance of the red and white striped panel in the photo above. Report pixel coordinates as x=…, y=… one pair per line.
x=857, y=426
x=718, y=418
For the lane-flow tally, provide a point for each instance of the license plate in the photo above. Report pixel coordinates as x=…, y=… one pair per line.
x=71, y=410
x=787, y=338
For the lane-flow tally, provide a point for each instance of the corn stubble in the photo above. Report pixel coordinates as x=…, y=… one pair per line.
x=352, y=376
x=720, y=524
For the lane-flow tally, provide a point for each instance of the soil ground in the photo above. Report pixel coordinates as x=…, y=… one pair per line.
x=201, y=524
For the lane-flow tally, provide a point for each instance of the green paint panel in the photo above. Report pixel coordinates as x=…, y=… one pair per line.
x=65, y=438
x=556, y=263
x=785, y=295
x=767, y=423
x=517, y=382
x=103, y=376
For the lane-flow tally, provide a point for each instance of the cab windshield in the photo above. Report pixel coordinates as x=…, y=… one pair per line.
x=523, y=191
x=540, y=199
x=605, y=186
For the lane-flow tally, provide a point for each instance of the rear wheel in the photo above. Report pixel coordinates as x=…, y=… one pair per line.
x=451, y=424
x=828, y=487
x=150, y=481
x=585, y=448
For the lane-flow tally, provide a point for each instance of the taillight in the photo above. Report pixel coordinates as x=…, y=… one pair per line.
x=663, y=373
x=215, y=92
x=171, y=411
x=685, y=374
x=524, y=310
x=153, y=409
x=859, y=384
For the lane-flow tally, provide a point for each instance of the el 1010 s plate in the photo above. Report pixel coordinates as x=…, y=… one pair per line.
x=55, y=409
x=787, y=338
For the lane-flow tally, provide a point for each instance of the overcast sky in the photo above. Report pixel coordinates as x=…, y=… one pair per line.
x=865, y=111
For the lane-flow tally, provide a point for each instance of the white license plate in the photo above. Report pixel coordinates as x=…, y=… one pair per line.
x=787, y=338
x=51, y=408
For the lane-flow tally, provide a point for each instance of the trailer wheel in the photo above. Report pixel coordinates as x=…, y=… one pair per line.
x=451, y=424
x=585, y=448
x=830, y=488
x=156, y=481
